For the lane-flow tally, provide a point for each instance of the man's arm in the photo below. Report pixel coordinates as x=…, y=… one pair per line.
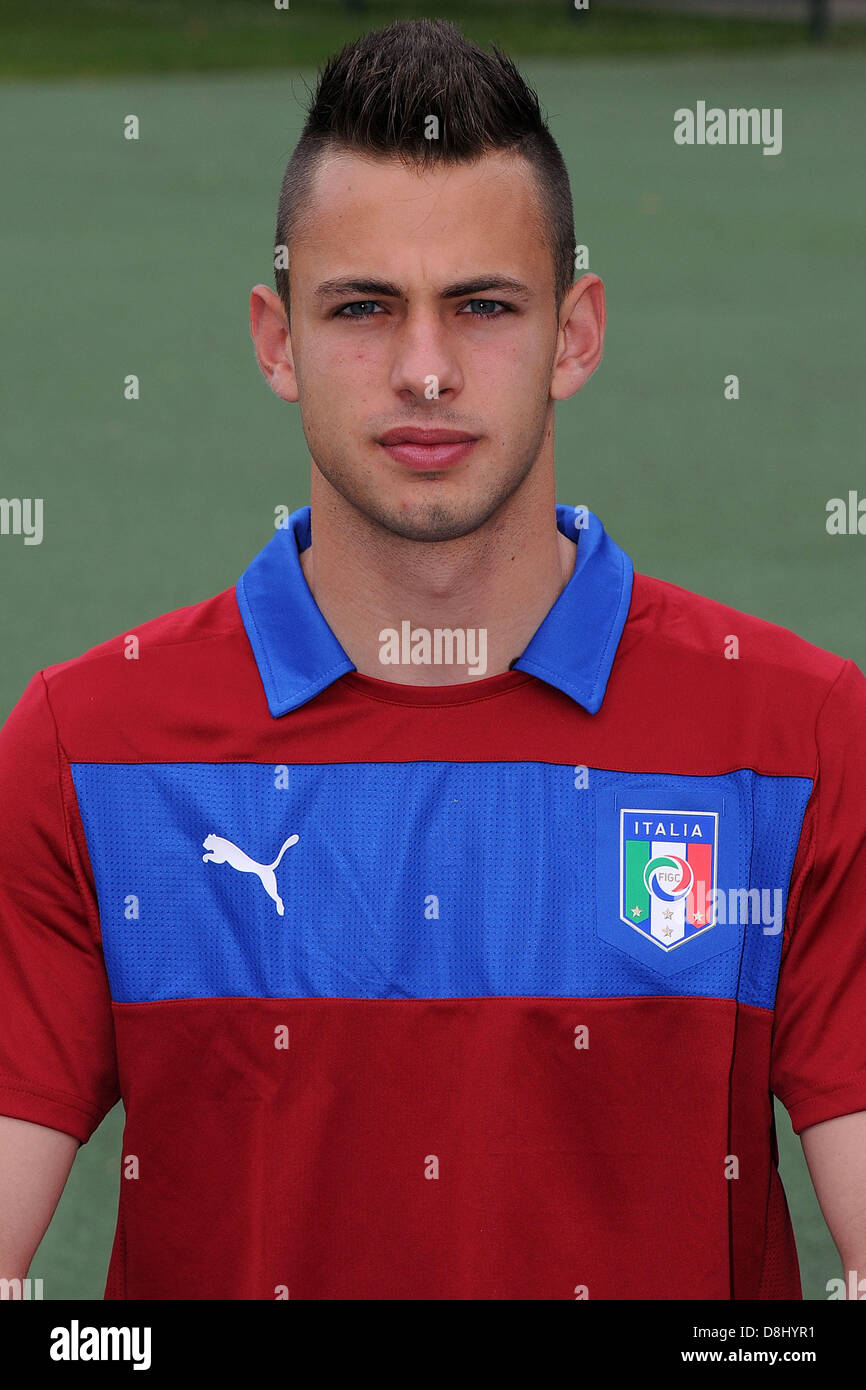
x=34, y=1165
x=58, y=1066
x=836, y=1154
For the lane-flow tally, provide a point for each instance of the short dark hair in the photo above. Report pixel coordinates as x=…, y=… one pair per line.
x=374, y=98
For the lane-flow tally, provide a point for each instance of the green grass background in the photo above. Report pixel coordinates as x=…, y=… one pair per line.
x=123, y=257
x=95, y=37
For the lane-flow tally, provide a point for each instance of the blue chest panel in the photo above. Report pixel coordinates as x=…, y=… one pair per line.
x=435, y=879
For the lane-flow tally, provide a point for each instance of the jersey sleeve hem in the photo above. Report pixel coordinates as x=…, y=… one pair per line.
x=807, y=1108
x=42, y=1108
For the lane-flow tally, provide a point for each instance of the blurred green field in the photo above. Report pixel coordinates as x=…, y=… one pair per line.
x=122, y=257
x=113, y=36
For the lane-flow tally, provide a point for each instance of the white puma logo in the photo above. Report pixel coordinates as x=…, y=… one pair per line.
x=224, y=852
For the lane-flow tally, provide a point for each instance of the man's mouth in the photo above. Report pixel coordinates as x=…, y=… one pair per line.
x=429, y=450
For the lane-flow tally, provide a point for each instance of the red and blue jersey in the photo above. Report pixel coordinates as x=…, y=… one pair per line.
x=477, y=991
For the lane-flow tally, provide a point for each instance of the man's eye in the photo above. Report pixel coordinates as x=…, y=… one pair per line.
x=485, y=308
x=360, y=309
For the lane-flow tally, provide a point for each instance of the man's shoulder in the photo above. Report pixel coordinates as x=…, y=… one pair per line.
x=175, y=652
x=768, y=697
x=705, y=631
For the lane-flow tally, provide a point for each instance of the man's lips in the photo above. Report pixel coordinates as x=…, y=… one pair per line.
x=427, y=449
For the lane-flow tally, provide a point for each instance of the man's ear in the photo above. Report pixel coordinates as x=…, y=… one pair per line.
x=581, y=337
x=270, y=332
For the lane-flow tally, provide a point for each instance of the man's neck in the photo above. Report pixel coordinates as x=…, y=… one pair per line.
x=500, y=581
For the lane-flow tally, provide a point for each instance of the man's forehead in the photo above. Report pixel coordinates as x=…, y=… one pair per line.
x=383, y=188
x=359, y=204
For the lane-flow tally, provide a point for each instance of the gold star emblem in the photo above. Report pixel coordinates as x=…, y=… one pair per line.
x=667, y=913
x=699, y=916
x=637, y=912
x=668, y=931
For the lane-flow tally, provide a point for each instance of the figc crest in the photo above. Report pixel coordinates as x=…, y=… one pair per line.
x=667, y=874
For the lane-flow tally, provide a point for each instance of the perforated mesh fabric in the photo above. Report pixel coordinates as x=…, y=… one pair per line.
x=407, y=880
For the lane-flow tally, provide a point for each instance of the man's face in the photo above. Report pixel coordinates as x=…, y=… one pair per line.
x=397, y=293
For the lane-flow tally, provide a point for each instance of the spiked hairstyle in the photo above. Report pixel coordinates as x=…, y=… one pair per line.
x=375, y=96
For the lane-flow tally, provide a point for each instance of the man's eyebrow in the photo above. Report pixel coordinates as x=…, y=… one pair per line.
x=384, y=289
x=486, y=282
x=330, y=289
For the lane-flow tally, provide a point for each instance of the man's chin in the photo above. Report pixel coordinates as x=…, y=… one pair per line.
x=430, y=511
x=433, y=522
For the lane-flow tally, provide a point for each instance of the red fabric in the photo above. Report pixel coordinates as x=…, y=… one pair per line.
x=819, y=1041
x=558, y=1167
x=57, y=1061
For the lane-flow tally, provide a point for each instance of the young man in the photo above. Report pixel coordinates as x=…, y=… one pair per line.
x=420, y=981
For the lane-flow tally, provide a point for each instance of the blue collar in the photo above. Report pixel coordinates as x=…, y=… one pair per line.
x=574, y=648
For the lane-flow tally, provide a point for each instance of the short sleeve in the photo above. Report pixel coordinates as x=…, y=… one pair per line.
x=818, y=1067
x=57, y=1053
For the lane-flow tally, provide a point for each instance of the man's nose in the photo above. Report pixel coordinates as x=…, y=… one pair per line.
x=425, y=364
